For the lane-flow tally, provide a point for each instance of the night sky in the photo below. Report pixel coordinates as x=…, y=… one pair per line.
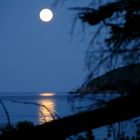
x=38, y=56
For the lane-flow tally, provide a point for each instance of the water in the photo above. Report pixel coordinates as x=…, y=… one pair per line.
x=41, y=107
x=38, y=107
x=35, y=107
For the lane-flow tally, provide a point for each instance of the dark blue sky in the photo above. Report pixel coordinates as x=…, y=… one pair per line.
x=37, y=56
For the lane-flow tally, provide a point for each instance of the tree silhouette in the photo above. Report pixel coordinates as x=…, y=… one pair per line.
x=116, y=37
x=114, y=42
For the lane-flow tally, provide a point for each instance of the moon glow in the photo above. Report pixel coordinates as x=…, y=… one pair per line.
x=46, y=15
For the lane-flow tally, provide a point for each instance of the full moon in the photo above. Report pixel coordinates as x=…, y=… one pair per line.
x=46, y=15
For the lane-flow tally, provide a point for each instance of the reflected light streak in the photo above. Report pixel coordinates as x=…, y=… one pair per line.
x=47, y=94
x=46, y=110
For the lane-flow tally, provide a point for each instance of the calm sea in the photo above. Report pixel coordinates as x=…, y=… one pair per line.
x=35, y=107
x=40, y=108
